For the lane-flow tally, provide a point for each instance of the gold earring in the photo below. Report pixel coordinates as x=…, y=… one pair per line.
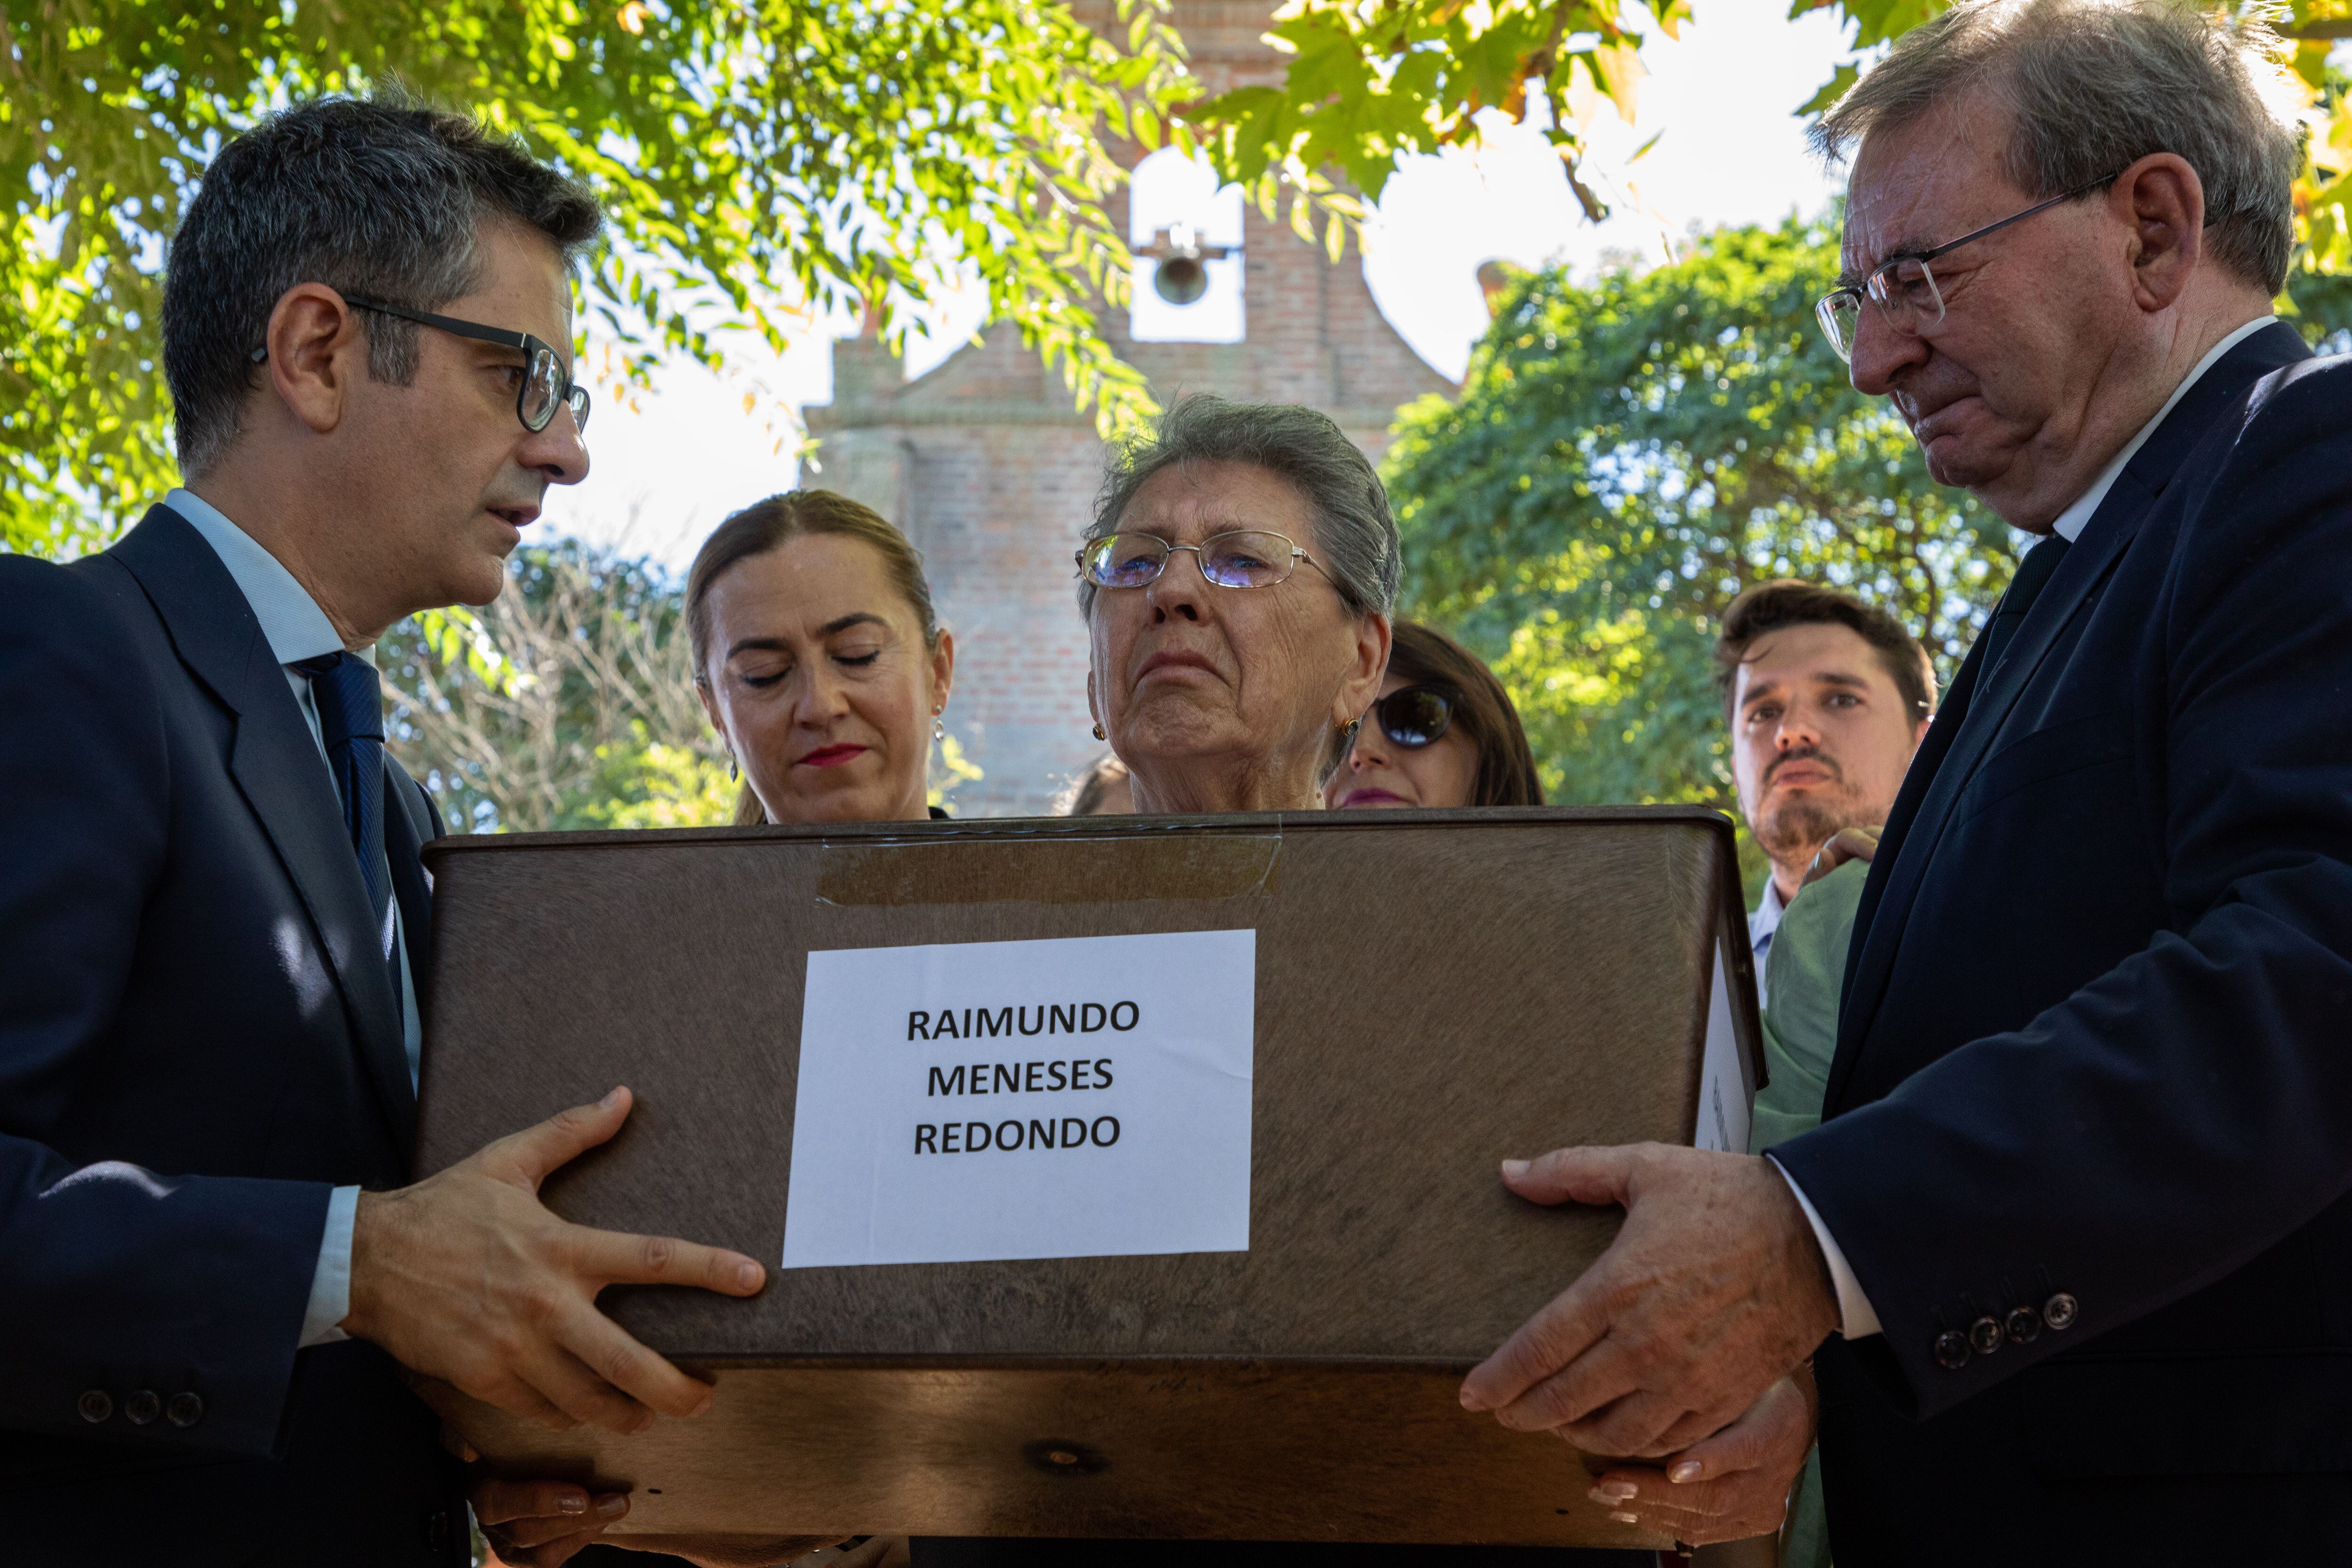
x=1098, y=731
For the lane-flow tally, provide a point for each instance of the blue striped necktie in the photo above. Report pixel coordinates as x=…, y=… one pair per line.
x=351, y=726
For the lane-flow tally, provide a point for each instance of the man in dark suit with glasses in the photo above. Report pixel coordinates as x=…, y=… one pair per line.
x=214, y=919
x=2072, y=1240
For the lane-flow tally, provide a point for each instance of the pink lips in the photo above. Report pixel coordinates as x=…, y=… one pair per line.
x=832, y=756
x=1370, y=795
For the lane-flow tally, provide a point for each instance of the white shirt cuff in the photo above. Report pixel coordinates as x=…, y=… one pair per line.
x=330, y=1287
x=1856, y=1319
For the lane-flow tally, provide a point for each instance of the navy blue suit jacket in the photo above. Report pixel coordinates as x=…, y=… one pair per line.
x=2096, y=1038
x=197, y=1043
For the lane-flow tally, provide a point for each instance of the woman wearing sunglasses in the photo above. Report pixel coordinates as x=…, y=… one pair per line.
x=1443, y=733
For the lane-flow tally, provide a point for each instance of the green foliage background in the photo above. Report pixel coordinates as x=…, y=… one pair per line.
x=565, y=703
x=569, y=703
x=1372, y=81
x=1628, y=454
x=757, y=159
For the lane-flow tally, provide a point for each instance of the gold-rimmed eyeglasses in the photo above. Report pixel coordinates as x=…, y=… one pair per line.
x=1904, y=287
x=1245, y=558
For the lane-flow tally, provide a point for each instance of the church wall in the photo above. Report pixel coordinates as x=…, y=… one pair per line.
x=992, y=474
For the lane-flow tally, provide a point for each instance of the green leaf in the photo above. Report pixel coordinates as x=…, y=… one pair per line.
x=728, y=144
x=1830, y=91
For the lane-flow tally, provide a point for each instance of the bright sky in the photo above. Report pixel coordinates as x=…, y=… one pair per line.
x=1733, y=151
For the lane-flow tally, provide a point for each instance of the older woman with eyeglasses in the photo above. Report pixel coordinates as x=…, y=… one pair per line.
x=1236, y=582
x=1443, y=733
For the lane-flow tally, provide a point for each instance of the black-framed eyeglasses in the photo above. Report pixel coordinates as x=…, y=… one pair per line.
x=1416, y=716
x=1903, y=289
x=546, y=384
x=1244, y=558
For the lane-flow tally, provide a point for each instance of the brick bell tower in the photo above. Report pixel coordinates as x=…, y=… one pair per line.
x=988, y=468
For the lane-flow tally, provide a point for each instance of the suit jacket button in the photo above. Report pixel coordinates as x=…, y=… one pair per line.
x=1951, y=1350
x=185, y=1410
x=142, y=1407
x=2024, y=1325
x=1985, y=1335
x=94, y=1405
x=2061, y=1311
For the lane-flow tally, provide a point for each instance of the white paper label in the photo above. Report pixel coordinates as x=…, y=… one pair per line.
x=1083, y=1096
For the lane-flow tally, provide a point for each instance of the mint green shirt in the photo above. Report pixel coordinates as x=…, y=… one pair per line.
x=1804, y=973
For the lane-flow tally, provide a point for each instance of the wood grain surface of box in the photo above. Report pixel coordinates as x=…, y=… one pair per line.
x=1434, y=991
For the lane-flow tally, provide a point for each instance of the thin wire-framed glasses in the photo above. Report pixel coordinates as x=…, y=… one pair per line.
x=1245, y=558
x=546, y=384
x=1903, y=289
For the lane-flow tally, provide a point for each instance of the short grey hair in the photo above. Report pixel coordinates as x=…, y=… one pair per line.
x=2097, y=85
x=1355, y=532
x=384, y=198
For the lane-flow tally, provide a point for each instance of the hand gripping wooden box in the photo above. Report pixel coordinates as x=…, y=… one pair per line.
x=1433, y=991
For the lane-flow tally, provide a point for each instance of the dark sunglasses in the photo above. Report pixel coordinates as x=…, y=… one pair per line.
x=1416, y=716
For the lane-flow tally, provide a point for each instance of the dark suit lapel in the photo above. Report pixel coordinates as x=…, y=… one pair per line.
x=277, y=766
x=1939, y=776
x=1951, y=714
x=2069, y=589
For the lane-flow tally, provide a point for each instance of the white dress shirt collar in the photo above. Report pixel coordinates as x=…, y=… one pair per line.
x=1765, y=918
x=1762, y=921
x=297, y=628
x=2072, y=522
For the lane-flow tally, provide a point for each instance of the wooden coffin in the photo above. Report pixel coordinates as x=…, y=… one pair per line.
x=1434, y=991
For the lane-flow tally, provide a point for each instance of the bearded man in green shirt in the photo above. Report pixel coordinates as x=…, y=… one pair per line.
x=1827, y=698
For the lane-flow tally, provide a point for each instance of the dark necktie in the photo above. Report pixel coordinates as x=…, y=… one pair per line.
x=351, y=725
x=2033, y=575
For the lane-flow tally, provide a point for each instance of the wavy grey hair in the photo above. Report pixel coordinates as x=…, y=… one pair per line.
x=1355, y=532
x=384, y=197
x=2097, y=85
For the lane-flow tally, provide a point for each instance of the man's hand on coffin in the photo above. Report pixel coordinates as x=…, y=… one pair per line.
x=767, y=1551
x=1734, y=1486
x=1714, y=1290
x=863, y=1552
x=726, y=1550
x=540, y=1524
x=467, y=1277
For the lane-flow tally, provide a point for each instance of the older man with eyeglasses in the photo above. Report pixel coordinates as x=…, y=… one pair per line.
x=2072, y=1243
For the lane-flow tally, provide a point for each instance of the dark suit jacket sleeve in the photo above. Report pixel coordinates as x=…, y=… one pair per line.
x=2183, y=1111
x=111, y=1278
